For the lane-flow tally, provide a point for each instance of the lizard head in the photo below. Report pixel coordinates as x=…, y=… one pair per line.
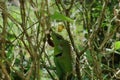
x=56, y=38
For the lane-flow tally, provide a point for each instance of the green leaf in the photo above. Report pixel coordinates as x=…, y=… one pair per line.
x=117, y=45
x=58, y=16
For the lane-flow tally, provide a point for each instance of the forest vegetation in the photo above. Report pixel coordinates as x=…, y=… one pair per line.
x=59, y=40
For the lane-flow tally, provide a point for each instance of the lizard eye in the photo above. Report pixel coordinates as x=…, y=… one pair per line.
x=59, y=37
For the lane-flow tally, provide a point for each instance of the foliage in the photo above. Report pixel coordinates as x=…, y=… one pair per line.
x=92, y=27
x=117, y=45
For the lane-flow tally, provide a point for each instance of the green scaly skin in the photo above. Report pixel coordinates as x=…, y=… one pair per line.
x=62, y=56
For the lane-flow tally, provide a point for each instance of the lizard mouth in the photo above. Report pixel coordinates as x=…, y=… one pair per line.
x=58, y=55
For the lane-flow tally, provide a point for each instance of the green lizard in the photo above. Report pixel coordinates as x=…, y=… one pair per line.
x=62, y=56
